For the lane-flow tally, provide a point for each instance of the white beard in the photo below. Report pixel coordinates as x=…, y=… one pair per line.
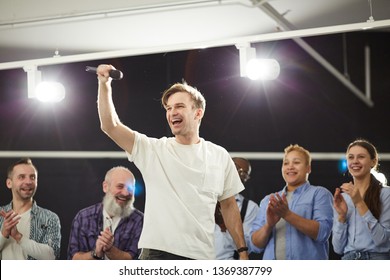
x=113, y=209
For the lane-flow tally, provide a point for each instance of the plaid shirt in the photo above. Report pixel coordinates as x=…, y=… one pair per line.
x=88, y=224
x=45, y=227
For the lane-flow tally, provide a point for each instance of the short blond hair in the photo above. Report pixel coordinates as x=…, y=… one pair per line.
x=299, y=149
x=196, y=96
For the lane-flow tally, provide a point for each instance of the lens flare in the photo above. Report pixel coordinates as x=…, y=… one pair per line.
x=343, y=167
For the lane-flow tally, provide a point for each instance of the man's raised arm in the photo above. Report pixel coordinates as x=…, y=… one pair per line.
x=122, y=135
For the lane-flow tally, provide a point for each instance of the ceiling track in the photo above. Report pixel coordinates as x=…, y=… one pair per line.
x=135, y=10
x=286, y=25
x=195, y=45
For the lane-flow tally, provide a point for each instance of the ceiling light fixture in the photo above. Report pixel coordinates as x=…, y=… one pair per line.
x=43, y=91
x=255, y=68
x=34, y=77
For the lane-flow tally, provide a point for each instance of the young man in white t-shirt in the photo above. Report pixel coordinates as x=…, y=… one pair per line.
x=184, y=176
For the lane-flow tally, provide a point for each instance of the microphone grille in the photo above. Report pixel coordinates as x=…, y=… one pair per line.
x=116, y=74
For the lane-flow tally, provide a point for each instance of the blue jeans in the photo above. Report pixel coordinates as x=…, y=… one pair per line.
x=358, y=255
x=151, y=254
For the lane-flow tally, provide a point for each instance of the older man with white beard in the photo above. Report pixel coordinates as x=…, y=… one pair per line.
x=109, y=229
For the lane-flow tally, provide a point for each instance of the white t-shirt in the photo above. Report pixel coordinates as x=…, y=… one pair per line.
x=12, y=250
x=183, y=184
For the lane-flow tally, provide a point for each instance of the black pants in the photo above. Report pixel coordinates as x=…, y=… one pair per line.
x=151, y=254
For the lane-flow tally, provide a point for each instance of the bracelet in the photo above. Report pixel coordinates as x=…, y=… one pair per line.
x=96, y=257
x=242, y=249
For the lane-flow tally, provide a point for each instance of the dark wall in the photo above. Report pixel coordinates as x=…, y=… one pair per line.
x=306, y=105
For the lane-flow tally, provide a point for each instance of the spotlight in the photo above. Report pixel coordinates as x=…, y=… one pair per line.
x=34, y=77
x=263, y=69
x=43, y=91
x=253, y=68
x=50, y=92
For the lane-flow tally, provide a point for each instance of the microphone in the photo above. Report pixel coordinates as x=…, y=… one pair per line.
x=115, y=74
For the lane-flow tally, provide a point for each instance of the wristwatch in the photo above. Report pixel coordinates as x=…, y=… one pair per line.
x=242, y=249
x=96, y=257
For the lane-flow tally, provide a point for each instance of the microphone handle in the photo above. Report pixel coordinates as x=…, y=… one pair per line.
x=114, y=73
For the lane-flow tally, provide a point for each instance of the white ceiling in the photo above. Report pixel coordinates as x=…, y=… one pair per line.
x=31, y=29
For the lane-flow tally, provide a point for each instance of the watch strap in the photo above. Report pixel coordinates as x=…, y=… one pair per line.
x=96, y=257
x=242, y=249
